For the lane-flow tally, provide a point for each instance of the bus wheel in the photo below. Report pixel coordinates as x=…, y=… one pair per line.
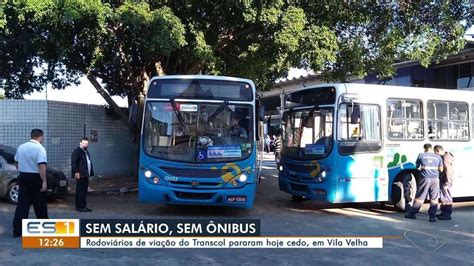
x=297, y=198
x=403, y=191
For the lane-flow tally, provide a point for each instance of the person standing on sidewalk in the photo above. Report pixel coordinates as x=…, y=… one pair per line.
x=30, y=160
x=81, y=167
x=446, y=181
x=430, y=165
x=278, y=146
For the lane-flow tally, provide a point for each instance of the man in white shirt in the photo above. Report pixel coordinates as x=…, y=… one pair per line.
x=31, y=163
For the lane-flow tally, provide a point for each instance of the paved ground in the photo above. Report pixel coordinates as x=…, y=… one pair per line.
x=450, y=242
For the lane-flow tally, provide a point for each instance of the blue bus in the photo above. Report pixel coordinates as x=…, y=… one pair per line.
x=359, y=142
x=200, y=141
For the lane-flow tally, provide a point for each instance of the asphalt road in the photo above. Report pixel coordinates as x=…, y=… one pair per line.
x=408, y=242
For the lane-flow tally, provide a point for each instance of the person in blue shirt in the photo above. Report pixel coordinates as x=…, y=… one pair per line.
x=430, y=165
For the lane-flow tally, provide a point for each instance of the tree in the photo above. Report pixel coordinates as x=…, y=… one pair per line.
x=372, y=36
x=59, y=41
x=124, y=43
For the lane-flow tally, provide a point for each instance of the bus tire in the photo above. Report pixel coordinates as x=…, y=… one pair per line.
x=297, y=198
x=403, y=191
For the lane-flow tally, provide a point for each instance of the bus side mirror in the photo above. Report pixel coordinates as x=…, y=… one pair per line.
x=355, y=115
x=261, y=113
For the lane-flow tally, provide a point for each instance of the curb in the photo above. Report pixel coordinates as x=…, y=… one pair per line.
x=119, y=190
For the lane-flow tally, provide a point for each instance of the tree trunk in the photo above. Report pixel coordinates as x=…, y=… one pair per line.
x=123, y=117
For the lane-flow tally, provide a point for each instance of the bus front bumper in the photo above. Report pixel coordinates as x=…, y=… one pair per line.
x=313, y=191
x=239, y=197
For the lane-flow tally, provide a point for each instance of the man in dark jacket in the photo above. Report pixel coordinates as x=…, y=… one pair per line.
x=81, y=167
x=446, y=181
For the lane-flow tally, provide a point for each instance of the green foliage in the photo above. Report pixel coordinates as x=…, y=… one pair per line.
x=125, y=42
x=373, y=35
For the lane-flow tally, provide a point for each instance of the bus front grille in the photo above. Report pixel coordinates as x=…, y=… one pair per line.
x=189, y=184
x=197, y=196
x=195, y=173
x=298, y=187
x=301, y=168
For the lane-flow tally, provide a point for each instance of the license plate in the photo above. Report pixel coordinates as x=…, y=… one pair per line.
x=62, y=183
x=236, y=198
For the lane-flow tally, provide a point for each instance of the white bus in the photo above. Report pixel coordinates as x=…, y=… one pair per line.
x=359, y=142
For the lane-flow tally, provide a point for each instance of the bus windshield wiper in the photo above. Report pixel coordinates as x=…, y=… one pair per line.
x=177, y=113
x=220, y=109
x=310, y=114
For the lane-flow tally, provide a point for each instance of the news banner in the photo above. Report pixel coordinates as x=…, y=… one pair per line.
x=172, y=233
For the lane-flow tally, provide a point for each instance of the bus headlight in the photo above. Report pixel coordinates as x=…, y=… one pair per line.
x=148, y=174
x=150, y=177
x=321, y=176
x=239, y=180
x=242, y=178
x=280, y=168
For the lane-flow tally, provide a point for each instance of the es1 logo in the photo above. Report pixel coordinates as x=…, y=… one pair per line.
x=50, y=227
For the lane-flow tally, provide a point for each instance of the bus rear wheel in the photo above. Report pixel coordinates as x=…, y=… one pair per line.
x=403, y=191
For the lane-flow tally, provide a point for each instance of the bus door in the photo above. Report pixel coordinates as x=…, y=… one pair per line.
x=362, y=176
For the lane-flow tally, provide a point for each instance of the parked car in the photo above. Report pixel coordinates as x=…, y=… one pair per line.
x=57, y=182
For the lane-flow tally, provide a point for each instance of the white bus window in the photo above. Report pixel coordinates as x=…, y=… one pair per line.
x=404, y=119
x=458, y=111
x=437, y=110
x=359, y=128
x=454, y=126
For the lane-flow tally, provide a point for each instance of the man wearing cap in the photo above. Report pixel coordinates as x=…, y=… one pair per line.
x=30, y=160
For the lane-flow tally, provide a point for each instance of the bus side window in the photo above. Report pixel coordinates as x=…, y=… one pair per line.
x=405, y=119
x=448, y=120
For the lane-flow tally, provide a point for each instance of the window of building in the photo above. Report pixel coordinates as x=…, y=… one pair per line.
x=440, y=78
x=459, y=76
x=448, y=120
x=452, y=75
x=465, y=76
x=405, y=119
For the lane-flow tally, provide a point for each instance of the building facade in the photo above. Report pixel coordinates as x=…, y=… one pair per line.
x=64, y=124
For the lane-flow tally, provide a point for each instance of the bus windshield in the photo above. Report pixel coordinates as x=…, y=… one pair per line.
x=198, y=132
x=307, y=134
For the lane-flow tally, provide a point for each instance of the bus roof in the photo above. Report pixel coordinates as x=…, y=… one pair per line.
x=205, y=77
x=205, y=87
x=387, y=91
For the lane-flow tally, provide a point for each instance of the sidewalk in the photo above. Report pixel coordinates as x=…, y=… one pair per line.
x=109, y=184
x=268, y=156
